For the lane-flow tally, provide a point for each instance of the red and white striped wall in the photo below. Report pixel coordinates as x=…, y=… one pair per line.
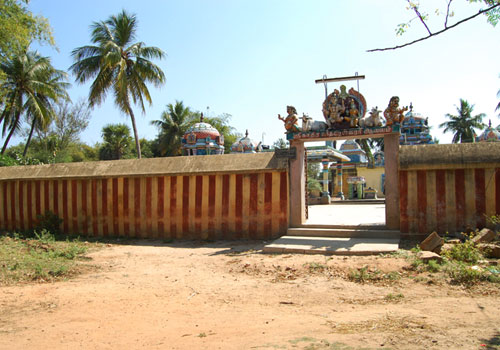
x=448, y=200
x=218, y=206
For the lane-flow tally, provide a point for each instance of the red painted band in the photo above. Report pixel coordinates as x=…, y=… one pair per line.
x=283, y=202
x=211, y=206
x=268, y=202
x=173, y=206
x=441, y=200
x=149, y=223
x=198, y=195
x=185, y=206
x=403, y=201
x=460, y=199
x=239, y=206
x=65, y=206
x=126, y=213
x=104, y=203
x=29, y=208
x=480, y=198
x=137, y=207
x=225, y=205
x=116, y=203
x=83, y=183
x=253, y=206
x=160, y=206
x=422, y=200
x=21, y=205
x=94, y=207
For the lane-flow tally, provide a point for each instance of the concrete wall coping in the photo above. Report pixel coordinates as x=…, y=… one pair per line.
x=188, y=165
x=459, y=155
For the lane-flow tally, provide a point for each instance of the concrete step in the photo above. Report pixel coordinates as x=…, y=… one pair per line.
x=332, y=245
x=344, y=231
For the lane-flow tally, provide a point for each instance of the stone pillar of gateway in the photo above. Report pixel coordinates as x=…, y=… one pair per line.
x=344, y=115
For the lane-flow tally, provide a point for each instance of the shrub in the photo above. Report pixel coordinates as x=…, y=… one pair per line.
x=465, y=252
x=49, y=222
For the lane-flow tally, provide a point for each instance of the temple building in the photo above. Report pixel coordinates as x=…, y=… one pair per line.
x=415, y=129
x=246, y=145
x=490, y=134
x=202, y=139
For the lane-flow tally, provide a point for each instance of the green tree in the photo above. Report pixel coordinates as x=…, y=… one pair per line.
x=117, y=143
x=117, y=63
x=463, y=124
x=280, y=144
x=31, y=86
x=19, y=27
x=172, y=125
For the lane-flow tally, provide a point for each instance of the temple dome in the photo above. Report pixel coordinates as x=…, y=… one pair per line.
x=246, y=145
x=490, y=134
x=202, y=139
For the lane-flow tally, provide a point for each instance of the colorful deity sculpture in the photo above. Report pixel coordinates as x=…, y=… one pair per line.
x=393, y=114
x=291, y=120
x=343, y=109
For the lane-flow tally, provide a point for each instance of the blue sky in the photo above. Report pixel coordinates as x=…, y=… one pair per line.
x=253, y=58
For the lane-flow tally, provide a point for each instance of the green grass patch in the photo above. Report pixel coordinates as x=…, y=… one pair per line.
x=42, y=258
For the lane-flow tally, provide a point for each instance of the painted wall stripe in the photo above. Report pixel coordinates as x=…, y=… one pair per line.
x=441, y=200
x=198, y=202
x=161, y=206
x=253, y=207
x=173, y=206
x=212, y=188
x=470, y=202
x=225, y=204
x=239, y=206
x=480, y=197
x=460, y=199
x=412, y=201
x=283, y=202
x=422, y=200
x=497, y=190
x=403, y=201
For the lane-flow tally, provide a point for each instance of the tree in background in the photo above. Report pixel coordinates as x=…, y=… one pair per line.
x=31, y=87
x=115, y=62
x=463, y=124
x=280, y=144
x=19, y=27
x=118, y=143
x=172, y=125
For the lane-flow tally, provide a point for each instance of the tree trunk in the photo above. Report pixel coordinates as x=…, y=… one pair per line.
x=29, y=138
x=137, y=143
x=11, y=132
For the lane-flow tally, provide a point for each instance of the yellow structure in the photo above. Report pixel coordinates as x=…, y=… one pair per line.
x=374, y=178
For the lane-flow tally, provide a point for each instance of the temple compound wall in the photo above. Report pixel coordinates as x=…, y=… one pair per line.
x=235, y=196
x=448, y=188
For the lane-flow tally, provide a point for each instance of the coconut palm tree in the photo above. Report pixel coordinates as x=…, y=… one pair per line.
x=464, y=123
x=173, y=124
x=31, y=86
x=115, y=62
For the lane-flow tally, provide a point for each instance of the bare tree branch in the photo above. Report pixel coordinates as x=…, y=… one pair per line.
x=415, y=8
x=447, y=14
x=438, y=32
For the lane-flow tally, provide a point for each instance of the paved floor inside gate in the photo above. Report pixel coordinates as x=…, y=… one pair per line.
x=347, y=214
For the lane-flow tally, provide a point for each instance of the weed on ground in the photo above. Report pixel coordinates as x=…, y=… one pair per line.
x=39, y=257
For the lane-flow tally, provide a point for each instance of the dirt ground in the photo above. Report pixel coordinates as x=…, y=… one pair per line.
x=228, y=295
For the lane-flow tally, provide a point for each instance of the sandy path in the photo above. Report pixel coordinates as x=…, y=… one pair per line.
x=223, y=296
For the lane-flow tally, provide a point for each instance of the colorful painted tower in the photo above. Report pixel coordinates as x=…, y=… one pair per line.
x=246, y=145
x=490, y=134
x=202, y=139
x=415, y=129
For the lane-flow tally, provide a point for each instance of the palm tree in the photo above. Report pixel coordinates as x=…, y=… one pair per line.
x=117, y=142
x=173, y=124
x=115, y=62
x=464, y=123
x=31, y=86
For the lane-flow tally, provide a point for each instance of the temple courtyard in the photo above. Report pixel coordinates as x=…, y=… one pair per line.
x=230, y=295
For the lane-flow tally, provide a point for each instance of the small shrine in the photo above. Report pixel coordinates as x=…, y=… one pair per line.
x=202, y=139
x=490, y=134
x=415, y=129
x=351, y=149
x=246, y=145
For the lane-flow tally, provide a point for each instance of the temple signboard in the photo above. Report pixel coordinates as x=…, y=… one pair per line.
x=344, y=133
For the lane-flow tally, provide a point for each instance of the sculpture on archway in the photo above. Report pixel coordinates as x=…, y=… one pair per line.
x=291, y=120
x=393, y=114
x=343, y=110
